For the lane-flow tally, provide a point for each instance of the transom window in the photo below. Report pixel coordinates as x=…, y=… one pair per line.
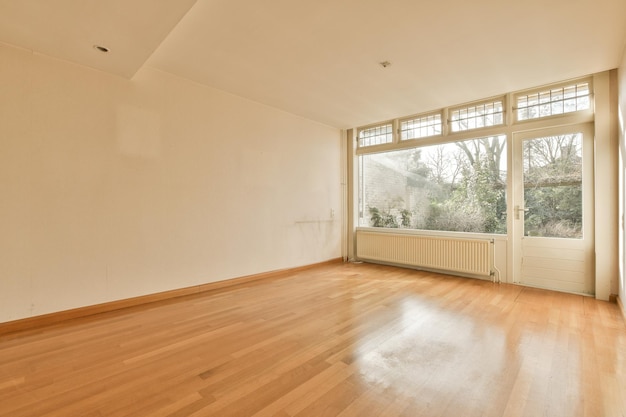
x=377, y=135
x=420, y=127
x=477, y=116
x=553, y=101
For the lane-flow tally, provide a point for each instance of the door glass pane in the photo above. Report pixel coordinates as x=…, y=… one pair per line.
x=553, y=186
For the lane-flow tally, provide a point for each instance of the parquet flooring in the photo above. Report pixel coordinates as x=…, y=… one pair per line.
x=337, y=340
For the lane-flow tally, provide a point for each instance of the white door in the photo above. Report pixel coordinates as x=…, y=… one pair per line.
x=552, y=209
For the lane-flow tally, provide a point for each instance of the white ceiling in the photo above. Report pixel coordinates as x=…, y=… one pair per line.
x=320, y=58
x=68, y=29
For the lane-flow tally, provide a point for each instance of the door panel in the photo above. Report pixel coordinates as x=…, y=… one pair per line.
x=553, y=208
x=558, y=264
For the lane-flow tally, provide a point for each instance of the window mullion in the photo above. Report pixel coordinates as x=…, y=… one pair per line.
x=396, y=131
x=445, y=124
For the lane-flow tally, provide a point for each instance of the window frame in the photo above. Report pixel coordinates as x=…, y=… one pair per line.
x=360, y=209
x=442, y=119
x=509, y=120
x=509, y=126
x=495, y=99
x=392, y=123
x=578, y=113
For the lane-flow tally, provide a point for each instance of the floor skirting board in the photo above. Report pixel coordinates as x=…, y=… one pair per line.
x=61, y=316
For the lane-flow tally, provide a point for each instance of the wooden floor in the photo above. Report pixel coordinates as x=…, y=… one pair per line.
x=337, y=340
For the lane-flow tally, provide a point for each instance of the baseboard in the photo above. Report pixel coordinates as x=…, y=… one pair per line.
x=621, y=307
x=61, y=316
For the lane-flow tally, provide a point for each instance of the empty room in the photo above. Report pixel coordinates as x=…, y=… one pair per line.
x=312, y=208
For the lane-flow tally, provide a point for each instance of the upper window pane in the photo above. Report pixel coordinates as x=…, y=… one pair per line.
x=554, y=101
x=377, y=135
x=477, y=116
x=420, y=127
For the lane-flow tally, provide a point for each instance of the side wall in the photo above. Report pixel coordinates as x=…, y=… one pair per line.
x=113, y=188
x=622, y=163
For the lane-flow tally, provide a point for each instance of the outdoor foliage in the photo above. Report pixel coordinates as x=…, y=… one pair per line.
x=453, y=187
x=553, y=187
x=461, y=187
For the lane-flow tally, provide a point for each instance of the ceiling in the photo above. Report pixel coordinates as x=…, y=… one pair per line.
x=320, y=59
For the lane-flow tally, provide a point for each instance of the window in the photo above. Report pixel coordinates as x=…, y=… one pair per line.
x=457, y=186
x=477, y=116
x=377, y=135
x=446, y=185
x=553, y=101
x=420, y=127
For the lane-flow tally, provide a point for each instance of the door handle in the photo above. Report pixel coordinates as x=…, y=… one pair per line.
x=517, y=210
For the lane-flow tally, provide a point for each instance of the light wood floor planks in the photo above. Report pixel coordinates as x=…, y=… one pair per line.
x=337, y=340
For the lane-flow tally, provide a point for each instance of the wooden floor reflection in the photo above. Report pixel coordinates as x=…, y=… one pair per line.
x=337, y=340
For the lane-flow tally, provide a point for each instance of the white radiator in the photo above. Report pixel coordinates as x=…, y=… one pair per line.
x=464, y=256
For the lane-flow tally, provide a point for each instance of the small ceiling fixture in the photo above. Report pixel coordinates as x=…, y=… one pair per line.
x=101, y=48
x=385, y=64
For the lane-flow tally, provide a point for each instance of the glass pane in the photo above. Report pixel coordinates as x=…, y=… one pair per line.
x=553, y=186
x=376, y=135
x=552, y=102
x=420, y=127
x=458, y=186
x=475, y=117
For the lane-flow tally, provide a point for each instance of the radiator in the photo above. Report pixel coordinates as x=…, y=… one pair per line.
x=464, y=256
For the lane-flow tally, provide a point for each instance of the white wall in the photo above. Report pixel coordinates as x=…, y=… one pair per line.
x=622, y=141
x=112, y=188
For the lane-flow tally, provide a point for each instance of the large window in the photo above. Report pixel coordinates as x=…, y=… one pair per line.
x=413, y=174
x=457, y=186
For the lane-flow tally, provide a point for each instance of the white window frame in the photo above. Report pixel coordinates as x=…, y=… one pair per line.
x=510, y=121
x=586, y=113
x=421, y=116
x=394, y=136
x=490, y=100
x=598, y=87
